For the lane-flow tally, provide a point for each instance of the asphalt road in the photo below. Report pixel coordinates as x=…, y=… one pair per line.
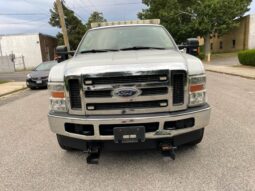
x=30, y=158
x=14, y=76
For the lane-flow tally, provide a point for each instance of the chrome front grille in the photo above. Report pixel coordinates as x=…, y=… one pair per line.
x=74, y=94
x=145, y=92
x=159, y=91
x=178, y=81
x=127, y=105
x=125, y=79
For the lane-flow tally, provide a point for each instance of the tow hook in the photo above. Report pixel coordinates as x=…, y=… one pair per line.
x=167, y=150
x=93, y=154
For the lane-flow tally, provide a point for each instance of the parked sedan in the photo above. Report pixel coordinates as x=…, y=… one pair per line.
x=38, y=78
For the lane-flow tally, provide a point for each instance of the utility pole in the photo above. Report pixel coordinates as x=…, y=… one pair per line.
x=62, y=23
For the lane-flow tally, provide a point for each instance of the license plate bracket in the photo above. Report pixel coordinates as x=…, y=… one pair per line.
x=129, y=134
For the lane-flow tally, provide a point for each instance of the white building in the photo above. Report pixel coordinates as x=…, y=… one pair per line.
x=34, y=48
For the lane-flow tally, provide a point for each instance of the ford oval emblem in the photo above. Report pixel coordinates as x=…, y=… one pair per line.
x=126, y=92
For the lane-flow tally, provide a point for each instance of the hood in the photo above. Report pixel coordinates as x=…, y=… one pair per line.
x=39, y=74
x=142, y=60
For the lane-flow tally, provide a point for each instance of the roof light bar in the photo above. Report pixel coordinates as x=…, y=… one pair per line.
x=103, y=24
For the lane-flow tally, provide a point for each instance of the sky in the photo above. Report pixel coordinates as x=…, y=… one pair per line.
x=31, y=16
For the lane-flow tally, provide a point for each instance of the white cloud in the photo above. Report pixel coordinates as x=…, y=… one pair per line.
x=112, y=9
x=22, y=23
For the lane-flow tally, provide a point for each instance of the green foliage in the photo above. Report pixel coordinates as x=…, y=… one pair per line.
x=3, y=81
x=191, y=18
x=247, y=57
x=217, y=16
x=95, y=17
x=202, y=50
x=168, y=11
x=201, y=56
x=75, y=27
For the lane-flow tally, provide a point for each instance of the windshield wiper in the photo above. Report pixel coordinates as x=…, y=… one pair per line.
x=143, y=48
x=97, y=50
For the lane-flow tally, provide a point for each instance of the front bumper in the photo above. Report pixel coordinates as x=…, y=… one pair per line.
x=201, y=117
x=32, y=84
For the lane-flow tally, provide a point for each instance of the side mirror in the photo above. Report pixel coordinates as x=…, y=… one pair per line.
x=62, y=53
x=193, y=46
x=182, y=48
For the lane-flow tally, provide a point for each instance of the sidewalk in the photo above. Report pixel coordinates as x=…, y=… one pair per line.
x=11, y=87
x=235, y=70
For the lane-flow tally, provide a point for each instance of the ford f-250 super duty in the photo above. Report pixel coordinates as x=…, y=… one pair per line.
x=128, y=86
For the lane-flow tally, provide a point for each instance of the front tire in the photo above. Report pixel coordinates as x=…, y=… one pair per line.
x=198, y=140
x=62, y=143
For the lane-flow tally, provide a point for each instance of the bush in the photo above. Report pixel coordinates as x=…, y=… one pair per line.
x=247, y=57
x=201, y=56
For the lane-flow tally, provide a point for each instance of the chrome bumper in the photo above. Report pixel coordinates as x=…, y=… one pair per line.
x=200, y=114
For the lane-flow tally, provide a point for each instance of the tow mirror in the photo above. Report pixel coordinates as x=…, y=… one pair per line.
x=63, y=53
x=182, y=48
x=193, y=46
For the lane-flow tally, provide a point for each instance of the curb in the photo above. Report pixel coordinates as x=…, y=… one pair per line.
x=14, y=91
x=231, y=74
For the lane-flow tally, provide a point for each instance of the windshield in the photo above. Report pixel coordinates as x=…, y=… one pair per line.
x=118, y=38
x=45, y=66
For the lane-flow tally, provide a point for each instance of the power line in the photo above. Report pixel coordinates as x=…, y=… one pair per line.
x=76, y=14
x=93, y=5
x=86, y=8
x=39, y=27
x=29, y=2
x=25, y=22
x=23, y=14
x=114, y=4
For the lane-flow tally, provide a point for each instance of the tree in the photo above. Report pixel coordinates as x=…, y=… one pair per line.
x=197, y=17
x=217, y=16
x=75, y=28
x=95, y=17
x=171, y=16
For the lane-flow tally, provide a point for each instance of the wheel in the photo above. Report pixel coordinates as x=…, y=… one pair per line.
x=62, y=143
x=198, y=140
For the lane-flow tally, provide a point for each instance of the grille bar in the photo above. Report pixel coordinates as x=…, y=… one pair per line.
x=125, y=79
x=108, y=93
x=128, y=105
x=74, y=92
x=178, y=82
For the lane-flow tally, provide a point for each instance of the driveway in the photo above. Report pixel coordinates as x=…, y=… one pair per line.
x=32, y=160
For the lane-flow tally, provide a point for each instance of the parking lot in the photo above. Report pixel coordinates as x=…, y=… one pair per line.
x=32, y=160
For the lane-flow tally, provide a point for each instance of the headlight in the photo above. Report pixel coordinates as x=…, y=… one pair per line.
x=28, y=76
x=57, y=97
x=197, y=90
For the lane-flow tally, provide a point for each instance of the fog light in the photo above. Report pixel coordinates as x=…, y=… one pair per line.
x=197, y=98
x=162, y=78
x=58, y=105
x=163, y=104
x=91, y=107
x=88, y=82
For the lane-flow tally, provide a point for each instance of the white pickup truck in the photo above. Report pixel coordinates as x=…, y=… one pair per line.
x=128, y=87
